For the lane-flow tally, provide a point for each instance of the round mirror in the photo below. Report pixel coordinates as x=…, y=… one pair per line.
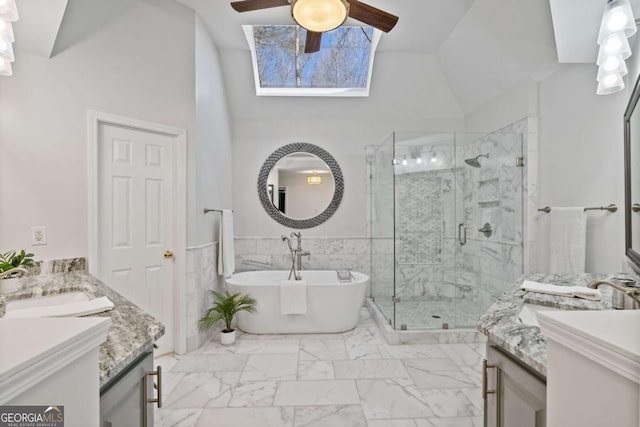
x=300, y=185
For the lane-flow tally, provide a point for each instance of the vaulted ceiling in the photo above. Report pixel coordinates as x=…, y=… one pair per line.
x=469, y=50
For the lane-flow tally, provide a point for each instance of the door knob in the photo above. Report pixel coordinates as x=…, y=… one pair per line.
x=168, y=254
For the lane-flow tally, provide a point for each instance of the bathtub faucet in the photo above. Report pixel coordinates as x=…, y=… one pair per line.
x=299, y=251
x=292, y=273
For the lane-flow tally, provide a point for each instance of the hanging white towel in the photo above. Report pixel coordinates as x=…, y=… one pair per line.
x=226, y=251
x=565, y=291
x=568, y=243
x=293, y=297
x=72, y=309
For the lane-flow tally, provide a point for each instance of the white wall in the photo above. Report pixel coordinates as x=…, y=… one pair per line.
x=515, y=103
x=213, y=151
x=137, y=62
x=408, y=93
x=581, y=161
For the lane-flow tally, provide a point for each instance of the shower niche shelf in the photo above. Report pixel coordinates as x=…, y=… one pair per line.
x=489, y=193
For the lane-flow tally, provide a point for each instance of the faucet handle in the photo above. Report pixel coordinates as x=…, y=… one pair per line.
x=298, y=234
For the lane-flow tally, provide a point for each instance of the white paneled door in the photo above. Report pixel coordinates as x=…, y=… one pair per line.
x=135, y=220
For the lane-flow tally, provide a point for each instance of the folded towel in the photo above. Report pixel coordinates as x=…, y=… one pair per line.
x=568, y=242
x=565, y=291
x=226, y=251
x=293, y=297
x=72, y=309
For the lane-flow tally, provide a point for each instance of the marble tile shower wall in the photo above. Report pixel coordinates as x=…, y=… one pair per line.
x=492, y=194
x=271, y=253
x=202, y=276
x=425, y=245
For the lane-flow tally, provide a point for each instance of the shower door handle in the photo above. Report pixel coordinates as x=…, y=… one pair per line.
x=462, y=234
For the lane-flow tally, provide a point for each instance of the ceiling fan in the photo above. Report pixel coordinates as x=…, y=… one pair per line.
x=318, y=16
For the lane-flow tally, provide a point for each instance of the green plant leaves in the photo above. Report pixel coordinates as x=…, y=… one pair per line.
x=12, y=259
x=225, y=308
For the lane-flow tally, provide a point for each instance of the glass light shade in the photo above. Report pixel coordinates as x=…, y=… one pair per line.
x=434, y=157
x=604, y=74
x=6, y=49
x=615, y=43
x=617, y=16
x=613, y=64
x=419, y=160
x=314, y=180
x=319, y=15
x=8, y=10
x=5, y=67
x=6, y=30
x=610, y=83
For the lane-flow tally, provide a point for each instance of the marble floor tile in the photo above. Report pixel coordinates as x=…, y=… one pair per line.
x=315, y=370
x=391, y=399
x=474, y=373
x=202, y=390
x=475, y=396
x=246, y=417
x=449, y=403
x=267, y=347
x=270, y=367
x=463, y=355
x=176, y=417
x=437, y=373
x=211, y=363
x=323, y=350
x=308, y=393
x=456, y=422
x=369, y=368
x=399, y=423
x=363, y=335
x=170, y=380
x=329, y=416
x=253, y=394
x=167, y=362
x=214, y=347
x=415, y=351
x=368, y=351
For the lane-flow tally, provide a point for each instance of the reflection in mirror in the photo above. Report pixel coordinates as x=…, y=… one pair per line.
x=304, y=183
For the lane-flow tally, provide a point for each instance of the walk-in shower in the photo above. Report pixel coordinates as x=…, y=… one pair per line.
x=433, y=263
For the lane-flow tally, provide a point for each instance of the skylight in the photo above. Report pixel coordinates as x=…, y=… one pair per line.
x=342, y=67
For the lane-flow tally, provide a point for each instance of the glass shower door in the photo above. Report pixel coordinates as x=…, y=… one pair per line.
x=489, y=218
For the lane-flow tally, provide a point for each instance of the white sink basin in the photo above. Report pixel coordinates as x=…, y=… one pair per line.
x=529, y=313
x=47, y=301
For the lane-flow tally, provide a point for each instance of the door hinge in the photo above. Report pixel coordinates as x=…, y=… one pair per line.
x=520, y=162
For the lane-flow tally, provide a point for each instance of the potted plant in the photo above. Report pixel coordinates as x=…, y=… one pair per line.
x=225, y=307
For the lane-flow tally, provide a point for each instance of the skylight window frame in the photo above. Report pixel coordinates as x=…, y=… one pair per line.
x=312, y=92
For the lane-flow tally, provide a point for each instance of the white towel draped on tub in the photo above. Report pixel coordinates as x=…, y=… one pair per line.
x=293, y=297
x=226, y=251
x=568, y=243
x=566, y=291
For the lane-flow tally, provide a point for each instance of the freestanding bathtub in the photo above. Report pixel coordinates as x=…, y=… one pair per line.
x=332, y=306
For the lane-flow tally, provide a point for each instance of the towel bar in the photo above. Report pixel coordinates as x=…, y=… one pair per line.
x=610, y=208
x=213, y=210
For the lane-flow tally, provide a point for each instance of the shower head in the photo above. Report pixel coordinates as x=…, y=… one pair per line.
x=474, y=163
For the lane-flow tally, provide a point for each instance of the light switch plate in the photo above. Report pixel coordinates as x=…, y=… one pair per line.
x=39, y=235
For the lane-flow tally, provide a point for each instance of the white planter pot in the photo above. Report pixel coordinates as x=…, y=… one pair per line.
x=227, y=338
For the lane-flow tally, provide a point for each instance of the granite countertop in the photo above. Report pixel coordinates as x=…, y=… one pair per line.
x=132, y=332
x=525, y=342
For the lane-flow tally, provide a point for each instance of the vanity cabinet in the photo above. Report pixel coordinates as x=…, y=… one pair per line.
x=514, y=396
x=128, y=400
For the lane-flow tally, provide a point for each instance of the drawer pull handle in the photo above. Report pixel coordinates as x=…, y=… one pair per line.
x=157, y=386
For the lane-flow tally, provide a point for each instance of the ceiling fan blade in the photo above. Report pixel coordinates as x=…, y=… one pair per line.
x=370, y=15
x=249, y=5
x=312, y=43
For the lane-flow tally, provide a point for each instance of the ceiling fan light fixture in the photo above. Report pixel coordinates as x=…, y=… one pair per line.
x=319, y=15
